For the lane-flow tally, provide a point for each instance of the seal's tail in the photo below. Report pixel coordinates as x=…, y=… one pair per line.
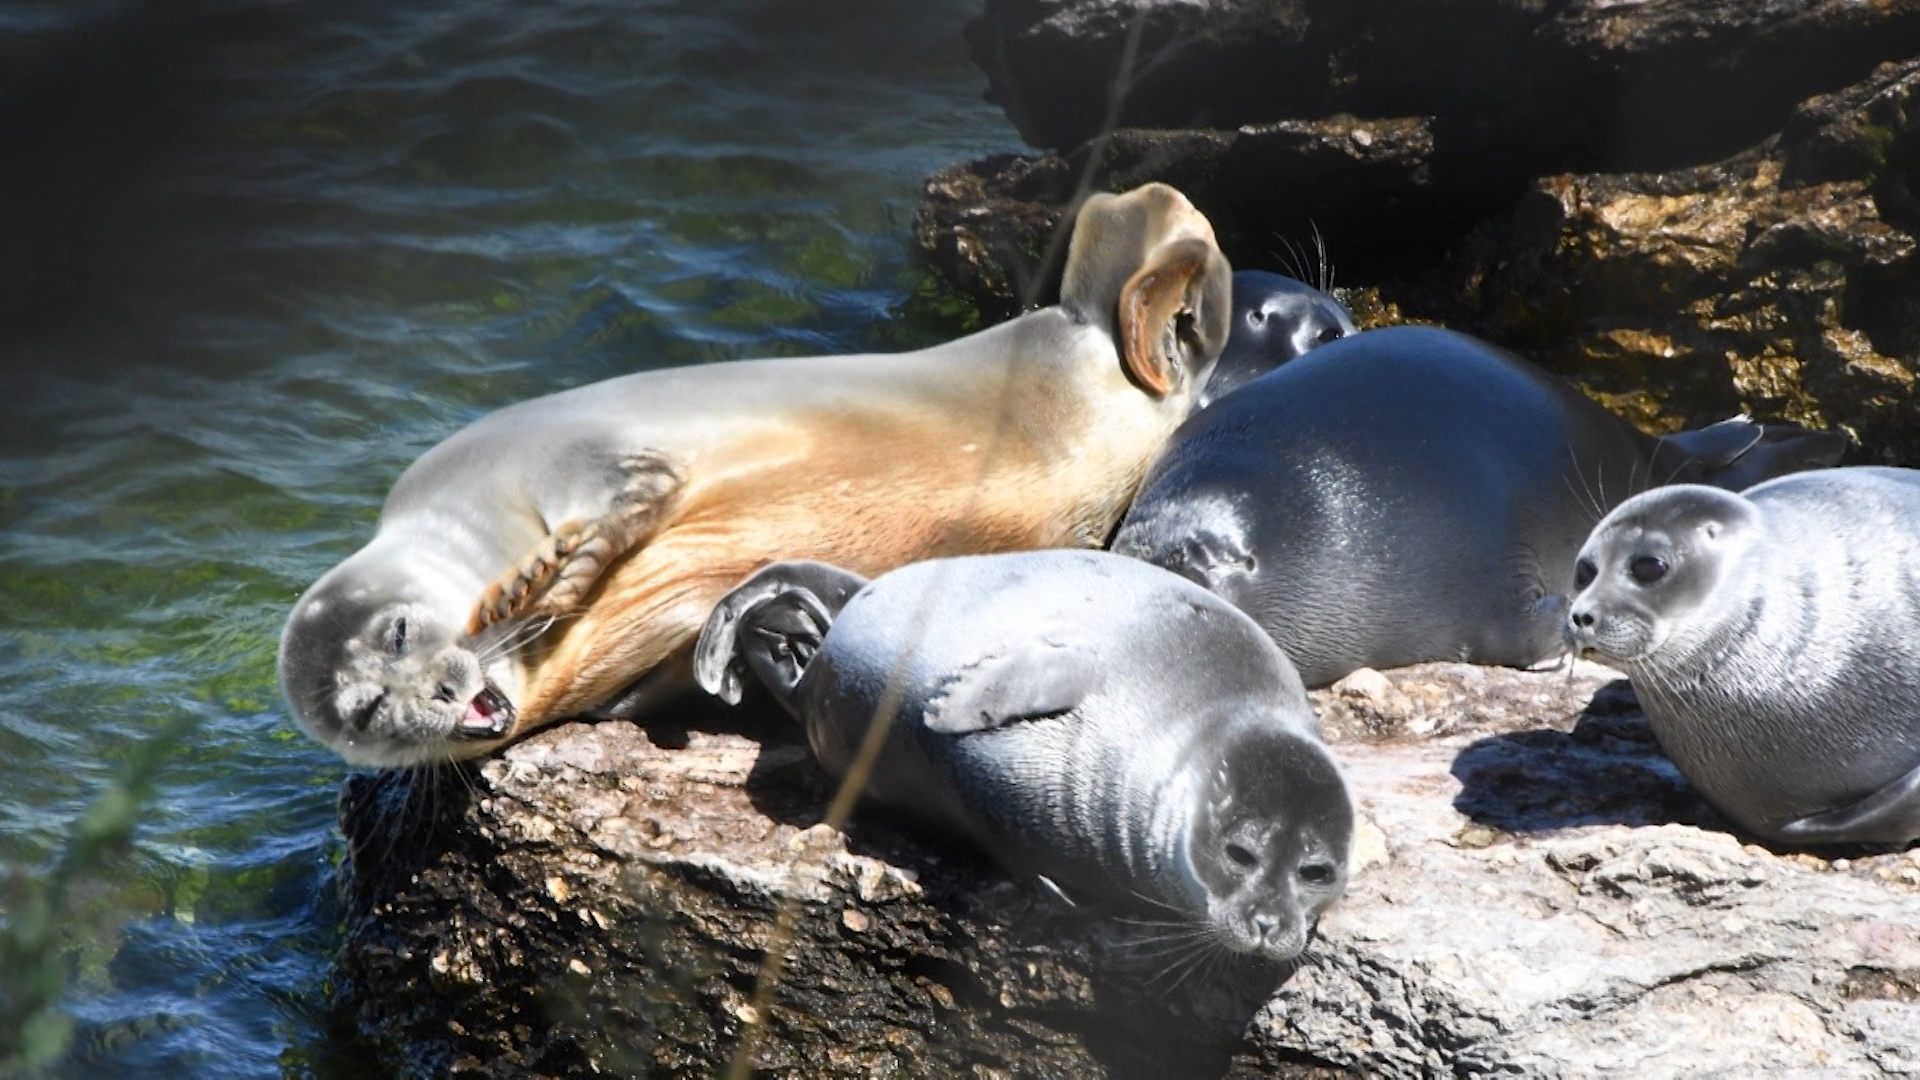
x=772, y=624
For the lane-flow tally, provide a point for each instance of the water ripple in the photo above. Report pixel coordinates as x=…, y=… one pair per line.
x=271, y=250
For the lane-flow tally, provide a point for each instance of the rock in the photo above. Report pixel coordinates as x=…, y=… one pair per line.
x=1517, y=88
x=994, y=228
x=1780, y=281
x=1538, y=894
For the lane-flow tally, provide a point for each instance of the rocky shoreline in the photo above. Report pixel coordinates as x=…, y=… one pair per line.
x=1690, y=207
x=1768, y=265
x=1537, y=893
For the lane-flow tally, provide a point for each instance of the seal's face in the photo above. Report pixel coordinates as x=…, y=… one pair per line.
x=1275, y=319
x=1271, y=844
x=371, y=670
x=1292, y=321
x=1650, y=566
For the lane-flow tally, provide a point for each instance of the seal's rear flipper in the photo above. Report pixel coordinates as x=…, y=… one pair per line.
x=1737, y=454
x=771, y=624
x=1145, y=265
x=1888, y=816
x=554, y=577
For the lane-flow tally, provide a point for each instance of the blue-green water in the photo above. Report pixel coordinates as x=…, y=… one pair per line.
x=254, y=258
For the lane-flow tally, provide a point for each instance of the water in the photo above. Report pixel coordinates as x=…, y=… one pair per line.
x=257, y=255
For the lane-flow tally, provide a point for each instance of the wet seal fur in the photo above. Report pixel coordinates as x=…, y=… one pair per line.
x=1414, y=494
x=1773, y=638
x=1080, y=716
x=559, y=556
x=1275, y=319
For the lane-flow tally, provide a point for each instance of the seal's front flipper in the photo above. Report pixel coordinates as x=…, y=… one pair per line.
x=1737, y=454
x=771, y=624
x=1888, y=816
x=1205, y=539
x=556, y=575
x=1035, y=677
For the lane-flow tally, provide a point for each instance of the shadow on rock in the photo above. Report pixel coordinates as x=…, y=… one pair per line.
x=1608, y=770
x=399, y=821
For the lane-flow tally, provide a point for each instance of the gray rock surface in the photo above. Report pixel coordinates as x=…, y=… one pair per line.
x=1538, y=894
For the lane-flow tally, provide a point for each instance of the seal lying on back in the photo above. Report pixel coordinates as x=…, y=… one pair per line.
x=1275, y=319
x=1080, y=716
x=1773, y=638
x=559, y=556
x=1414, y=494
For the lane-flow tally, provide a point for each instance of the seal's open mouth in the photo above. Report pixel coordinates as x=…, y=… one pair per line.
x=489, y=715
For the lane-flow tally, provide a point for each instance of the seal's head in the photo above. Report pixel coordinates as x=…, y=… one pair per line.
x=1271, y=842
x=1275, y=319
x=372, y=666
x=1652, y=565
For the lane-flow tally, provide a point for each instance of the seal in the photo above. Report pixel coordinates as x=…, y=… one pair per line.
x=1414, y=494
x=1275, y=319
x=1771, y=637
x=559, y=556
x=1080, y=716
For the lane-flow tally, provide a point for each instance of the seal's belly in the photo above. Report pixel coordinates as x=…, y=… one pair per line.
x=871, y=496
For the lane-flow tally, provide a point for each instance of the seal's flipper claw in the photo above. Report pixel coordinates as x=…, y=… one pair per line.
x=1048, y=886
x=509, y=596
x=771, y=624
x=557, y=576
x=1890, y=815
x=649, y=482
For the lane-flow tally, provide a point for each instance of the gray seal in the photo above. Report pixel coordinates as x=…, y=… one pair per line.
x=1275, y=319
x=1414, y=494
x=1773, y=638
x=1083, y=717
x=558, y=557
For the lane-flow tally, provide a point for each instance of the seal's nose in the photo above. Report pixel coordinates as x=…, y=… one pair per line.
x=1582, y=619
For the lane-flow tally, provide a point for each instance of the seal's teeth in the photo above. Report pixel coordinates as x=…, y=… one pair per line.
x=489, y=715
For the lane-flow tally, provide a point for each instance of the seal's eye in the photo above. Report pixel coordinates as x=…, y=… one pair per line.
x=398, y=637
x=1647, y=569
x=1257, y=317
x=1318, y=873
x=1241, y=857
x=1583, y=574
x=1331, y=333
